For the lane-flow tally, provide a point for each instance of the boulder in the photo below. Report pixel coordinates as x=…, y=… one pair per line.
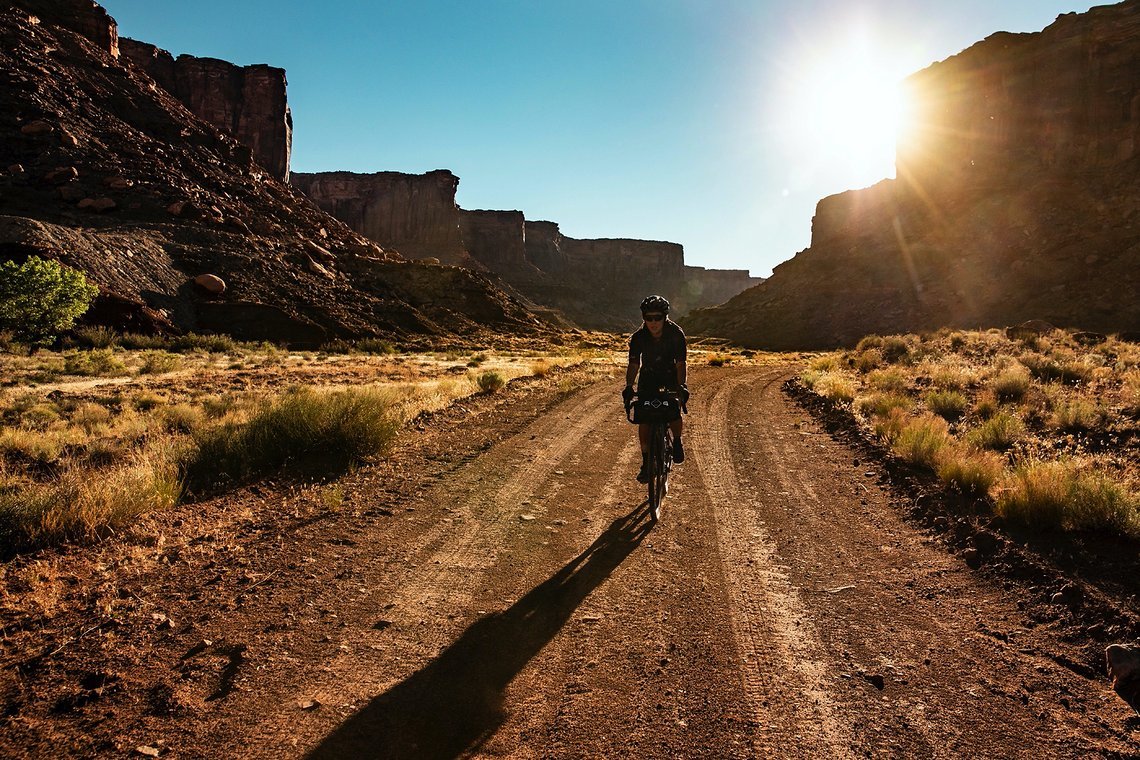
x=36, y=128
x=1123, y=661
x=98, y=205
x=211, y=283
x=1033, y=328
x=184, y=210
x=62, y=174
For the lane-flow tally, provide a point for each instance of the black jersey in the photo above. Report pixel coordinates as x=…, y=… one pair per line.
x=658, y=357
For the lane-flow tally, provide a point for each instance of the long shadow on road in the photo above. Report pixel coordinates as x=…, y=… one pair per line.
x=455, y=702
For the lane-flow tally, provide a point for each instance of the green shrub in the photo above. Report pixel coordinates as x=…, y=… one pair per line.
x=143, y=342
x=40, y=299
x=98, y=363
x=376, y=346
x=490, y=381
x=868, y=342
x=159, y=362
x=717, y=360
x=310, y=431
x=95, y=337
x=998, y=433
x=213, y=344
x=949, y=405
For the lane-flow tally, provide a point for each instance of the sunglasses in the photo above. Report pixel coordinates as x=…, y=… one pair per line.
x=653, y=317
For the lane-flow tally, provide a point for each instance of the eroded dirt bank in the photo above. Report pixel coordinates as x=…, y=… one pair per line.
x=496, y=588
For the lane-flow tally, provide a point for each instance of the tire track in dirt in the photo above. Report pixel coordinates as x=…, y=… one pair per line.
x=766, y=610
x=447, y=566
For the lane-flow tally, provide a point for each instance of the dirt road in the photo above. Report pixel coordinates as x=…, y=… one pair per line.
x=497, y=589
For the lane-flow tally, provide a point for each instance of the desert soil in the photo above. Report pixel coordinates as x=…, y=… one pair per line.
x=496, y=588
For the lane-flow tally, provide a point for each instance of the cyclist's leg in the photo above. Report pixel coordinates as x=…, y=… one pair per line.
x=643, y=434
x=675, y=427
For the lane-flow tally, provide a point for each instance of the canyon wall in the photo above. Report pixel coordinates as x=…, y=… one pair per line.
x=248, y=103
x=84, y=17
x=106, y=171
x=595, y=283
x=1017, y=198
x=414, y=214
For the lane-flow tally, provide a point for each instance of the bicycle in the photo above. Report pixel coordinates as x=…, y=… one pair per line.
x=659, y=410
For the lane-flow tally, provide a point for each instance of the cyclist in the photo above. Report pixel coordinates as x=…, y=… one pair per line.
x=658, y=351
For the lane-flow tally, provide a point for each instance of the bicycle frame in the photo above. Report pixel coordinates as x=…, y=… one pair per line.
x=660, y=455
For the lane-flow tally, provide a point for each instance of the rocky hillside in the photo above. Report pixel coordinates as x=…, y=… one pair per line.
x=597, y=284
x=1016, y=199
x=102, y=167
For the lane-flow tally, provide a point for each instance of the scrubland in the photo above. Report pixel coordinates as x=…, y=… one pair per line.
x=1043, y=430
x=113, y=426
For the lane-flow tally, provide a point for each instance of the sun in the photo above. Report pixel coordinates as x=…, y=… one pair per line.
x=844, y=112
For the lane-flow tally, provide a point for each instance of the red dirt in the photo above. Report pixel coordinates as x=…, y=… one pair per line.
x=495, y=588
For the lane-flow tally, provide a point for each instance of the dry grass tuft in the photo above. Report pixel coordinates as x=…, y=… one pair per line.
x=971, y=472
x=949, y=405
x=1060, y=495
x=1011, y=384
x=835, y=387
x=921, y=439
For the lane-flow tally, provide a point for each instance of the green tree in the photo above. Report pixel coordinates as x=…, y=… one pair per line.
x=40, y=299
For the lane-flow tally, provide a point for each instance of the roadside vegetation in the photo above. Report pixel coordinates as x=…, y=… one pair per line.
x=1044, y=429
x=111, y=426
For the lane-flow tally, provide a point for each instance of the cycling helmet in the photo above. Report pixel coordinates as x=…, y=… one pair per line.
x=654, y=303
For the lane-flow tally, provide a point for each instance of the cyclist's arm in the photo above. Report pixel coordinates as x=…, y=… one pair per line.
x=631, y=372
x=682, y=372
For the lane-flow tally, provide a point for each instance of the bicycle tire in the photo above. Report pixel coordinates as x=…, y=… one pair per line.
x=651, y=485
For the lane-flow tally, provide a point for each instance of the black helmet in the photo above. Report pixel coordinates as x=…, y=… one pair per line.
x=654, y=303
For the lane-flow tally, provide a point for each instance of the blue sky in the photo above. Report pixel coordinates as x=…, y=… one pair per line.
x=717, y=124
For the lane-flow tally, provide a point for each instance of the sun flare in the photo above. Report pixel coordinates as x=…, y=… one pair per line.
x=845, y=113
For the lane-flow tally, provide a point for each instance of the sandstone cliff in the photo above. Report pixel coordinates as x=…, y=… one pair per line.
x=597, y=284
x=1016, y=199
x=246, y=102
x=414, y=214
x=84, y=17
x=107, y=172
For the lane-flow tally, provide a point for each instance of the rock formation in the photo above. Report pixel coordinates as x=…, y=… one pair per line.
x=183, y=198
x=245, y=102
x=84, y=17
x=595, y=283
x=414, y=214
x=1015, y=199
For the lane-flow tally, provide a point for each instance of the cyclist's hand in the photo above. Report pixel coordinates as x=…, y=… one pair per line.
x=627, y=396
x=684, y=391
